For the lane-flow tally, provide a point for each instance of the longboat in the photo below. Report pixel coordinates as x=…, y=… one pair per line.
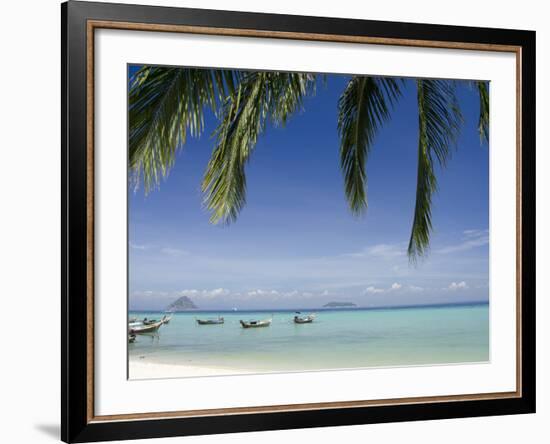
x=145, y=328
x=211, y=321
x=255, y=324
x=307, y=319
x=134, y=323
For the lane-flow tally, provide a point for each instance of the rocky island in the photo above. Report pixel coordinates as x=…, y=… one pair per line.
x=339, y=305
x=182, y=304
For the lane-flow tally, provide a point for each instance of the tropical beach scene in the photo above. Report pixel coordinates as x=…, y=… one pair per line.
x=290, y=222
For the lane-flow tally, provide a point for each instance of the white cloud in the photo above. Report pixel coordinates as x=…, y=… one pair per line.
x=150, y=293
x=138, y=246
x=475, y=233
x=204, y=294
x=373, y=290
x=175, y=252
x=415, y=289
x=457, y=286
x=471, y=239
x=385, y=251
x=189, y=292
x=260, y=292
x=216, y=295
x=274, y=295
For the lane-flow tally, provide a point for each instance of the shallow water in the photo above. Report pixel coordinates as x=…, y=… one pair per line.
x=338, y=338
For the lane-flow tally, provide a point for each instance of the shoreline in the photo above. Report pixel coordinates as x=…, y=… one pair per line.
x=154, y=370
x=139, y=369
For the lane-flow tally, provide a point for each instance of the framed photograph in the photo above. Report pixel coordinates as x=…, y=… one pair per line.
x=275, y=222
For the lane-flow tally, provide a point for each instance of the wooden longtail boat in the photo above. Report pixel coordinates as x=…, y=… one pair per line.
x=145, y=328
x=308, y=319
x=255, y=324
x=210, y=321
x=138, y=322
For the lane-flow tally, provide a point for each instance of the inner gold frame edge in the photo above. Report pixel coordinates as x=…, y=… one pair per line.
x=92, y=25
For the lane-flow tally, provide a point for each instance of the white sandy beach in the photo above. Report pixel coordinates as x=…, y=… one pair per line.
x=142, y=369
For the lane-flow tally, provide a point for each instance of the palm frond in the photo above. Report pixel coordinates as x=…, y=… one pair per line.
x=165, y=105
x=439, y=120
x=483, y=125
x=259, y=97
x=362, y=109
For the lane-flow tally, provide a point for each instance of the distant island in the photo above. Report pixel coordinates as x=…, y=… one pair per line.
x=182, y=304
x=339, y=304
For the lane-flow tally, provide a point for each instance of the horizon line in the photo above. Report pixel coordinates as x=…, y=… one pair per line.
x=363, y=307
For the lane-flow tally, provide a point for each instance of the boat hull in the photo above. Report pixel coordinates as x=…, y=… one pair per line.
x=255, y=324
x=210, y=321
x=304, y=319
x=147, y=328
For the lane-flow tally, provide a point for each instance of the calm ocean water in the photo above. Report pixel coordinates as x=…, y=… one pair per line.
x=336, y=339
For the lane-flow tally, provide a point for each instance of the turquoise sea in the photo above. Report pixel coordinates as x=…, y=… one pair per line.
x=338, y=338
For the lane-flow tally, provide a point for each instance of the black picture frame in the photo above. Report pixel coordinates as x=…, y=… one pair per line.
x=76, y=424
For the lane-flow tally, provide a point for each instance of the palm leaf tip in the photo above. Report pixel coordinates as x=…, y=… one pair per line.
x=439, y=120
x=259, y=97
x=362, y=109
x=483, y=123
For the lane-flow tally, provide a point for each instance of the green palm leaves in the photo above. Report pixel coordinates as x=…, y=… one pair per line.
x=168, y=104
x=483, y=126
x=439, y=121
x=260, y=96
x=362, y=109
x=165, y=104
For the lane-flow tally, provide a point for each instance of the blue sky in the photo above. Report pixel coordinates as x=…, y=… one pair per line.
x=295, y=244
